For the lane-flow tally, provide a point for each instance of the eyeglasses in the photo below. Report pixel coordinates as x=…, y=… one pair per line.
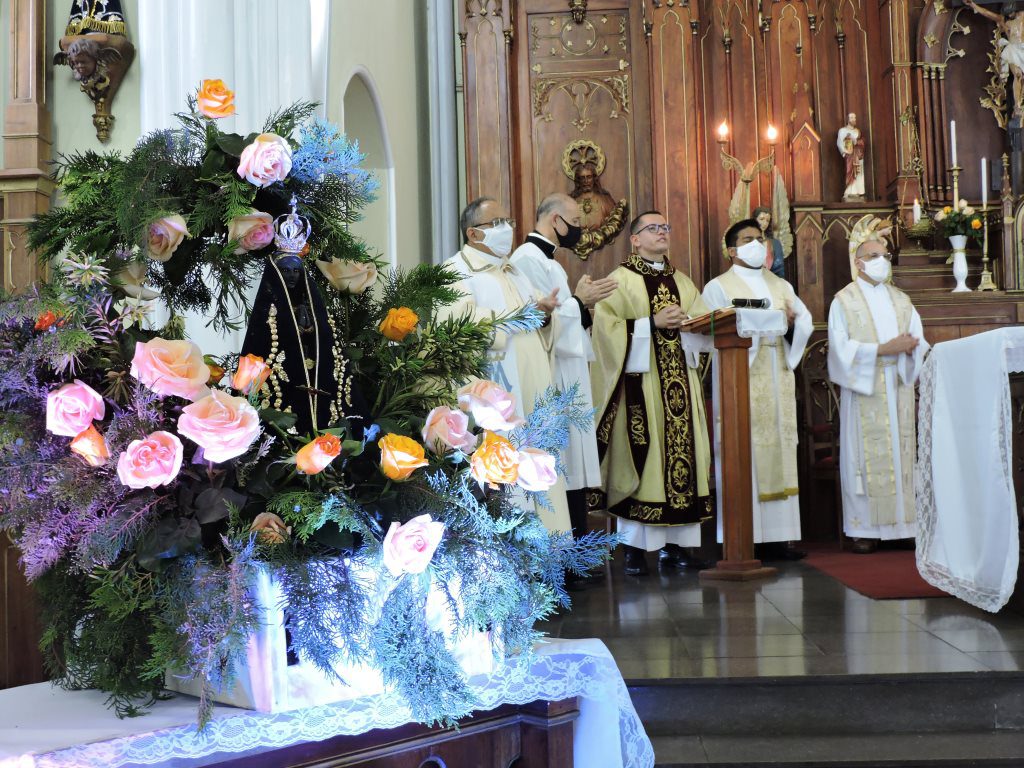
x=871, y=256
x=496, y=223
x=658, y=229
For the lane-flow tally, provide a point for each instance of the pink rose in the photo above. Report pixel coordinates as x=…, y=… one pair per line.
x=492, y=407
x=171, y=368
x=537, y=470
x=409, y=548
x=266, y=160
x=253, y=231
x=164, y=237
x=150, y=463
x=447, y=430
x=71, y=409
x=222, y=425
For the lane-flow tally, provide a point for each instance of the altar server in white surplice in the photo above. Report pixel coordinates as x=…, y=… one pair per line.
x=492, y=286
x=876, y=347
x=773, y=431
x=558, y=225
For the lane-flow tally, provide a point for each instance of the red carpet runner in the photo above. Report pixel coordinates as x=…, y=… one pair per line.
x=883, y=575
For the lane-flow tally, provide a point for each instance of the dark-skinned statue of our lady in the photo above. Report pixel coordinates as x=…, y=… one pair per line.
x=290, y=328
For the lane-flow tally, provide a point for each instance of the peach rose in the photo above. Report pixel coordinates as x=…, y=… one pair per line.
x=314, y=457
x=171, y=368
x=252, y=373
x=349, y=276
x=71, y=409
x=400, y=456
x=164, y=237
x=495, y=462
x=447, y=430
x=150, y=463
x=537, y=470
x=214, y=100
x=253, y=231
x=270, y=529
x=399, y=323
x=222, y=425
x=409, y=548
x=492, y=407
x=92, y=447
x=267, y=160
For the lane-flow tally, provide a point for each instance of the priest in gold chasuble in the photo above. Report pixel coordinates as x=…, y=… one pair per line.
x=773, y=430
x=651, y=426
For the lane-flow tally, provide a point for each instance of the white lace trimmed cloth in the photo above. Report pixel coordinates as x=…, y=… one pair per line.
x=967, y=542
x=45, y=727
x=750, y=324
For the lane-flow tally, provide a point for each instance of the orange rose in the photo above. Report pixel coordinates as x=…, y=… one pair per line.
x=92, y=447
x=399, y=323
x=252, y=373
x=400, y=456
x=45, y=320
x=214, y=100
x=314, y=457
x=976, y=224
x=270, y=529
x=495, y=462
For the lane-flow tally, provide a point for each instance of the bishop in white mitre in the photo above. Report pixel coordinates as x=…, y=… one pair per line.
x=876, y=347
x=491, y=285
x=773, y=430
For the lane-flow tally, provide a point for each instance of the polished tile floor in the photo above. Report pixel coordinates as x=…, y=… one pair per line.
x=802, y=622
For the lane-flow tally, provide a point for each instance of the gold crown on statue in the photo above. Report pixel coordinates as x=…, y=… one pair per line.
x=291, y=231
x=868, y=228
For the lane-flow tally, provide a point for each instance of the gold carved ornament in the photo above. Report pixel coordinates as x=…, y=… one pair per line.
x=584, y=156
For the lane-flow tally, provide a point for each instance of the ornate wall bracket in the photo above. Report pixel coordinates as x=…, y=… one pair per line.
x=99, y=54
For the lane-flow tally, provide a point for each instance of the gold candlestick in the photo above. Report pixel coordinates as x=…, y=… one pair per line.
x=986, y=283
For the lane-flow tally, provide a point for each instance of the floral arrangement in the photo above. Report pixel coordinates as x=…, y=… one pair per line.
x=145, y=483
x=959, y=219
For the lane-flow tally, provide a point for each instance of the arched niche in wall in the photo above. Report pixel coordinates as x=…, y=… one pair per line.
x=364, y=122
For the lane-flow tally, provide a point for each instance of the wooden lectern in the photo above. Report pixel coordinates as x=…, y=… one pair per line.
x=736, y=490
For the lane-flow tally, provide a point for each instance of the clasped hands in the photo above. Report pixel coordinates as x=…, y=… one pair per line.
x=902, y=343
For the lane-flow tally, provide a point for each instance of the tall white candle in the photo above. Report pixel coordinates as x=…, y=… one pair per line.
x=952, y=139
x=984, y=182
x=917, y=211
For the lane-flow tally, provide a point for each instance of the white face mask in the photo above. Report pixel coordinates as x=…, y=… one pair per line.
x=752, y=254
x=877, y=269
x=499, y=240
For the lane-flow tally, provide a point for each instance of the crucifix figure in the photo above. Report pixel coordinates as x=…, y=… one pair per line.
x=1009, y=47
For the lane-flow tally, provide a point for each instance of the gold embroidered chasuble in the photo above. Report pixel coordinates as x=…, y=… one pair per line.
x=773, y=431
x=651, y=427
x=875, y=428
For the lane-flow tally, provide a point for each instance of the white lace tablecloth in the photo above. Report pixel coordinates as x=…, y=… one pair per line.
x=968, y=542
x=46, y=727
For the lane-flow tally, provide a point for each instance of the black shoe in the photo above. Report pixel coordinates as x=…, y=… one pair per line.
x=672, y=556
x=792, y=553
x=635, y=561
x=864, y=546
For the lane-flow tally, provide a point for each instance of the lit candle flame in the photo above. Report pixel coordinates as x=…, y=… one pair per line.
x=772, y=134
x=723, y=131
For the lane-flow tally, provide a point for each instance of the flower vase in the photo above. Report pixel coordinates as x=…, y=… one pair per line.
x=959, y=243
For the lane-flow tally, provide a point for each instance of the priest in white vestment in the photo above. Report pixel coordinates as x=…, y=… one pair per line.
x=492, y=286
x=876, y=347
x=773, y=429
x=558, y=225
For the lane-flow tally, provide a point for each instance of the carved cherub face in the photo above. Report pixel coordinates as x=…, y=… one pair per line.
x=83, y=55
x=764, y=220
